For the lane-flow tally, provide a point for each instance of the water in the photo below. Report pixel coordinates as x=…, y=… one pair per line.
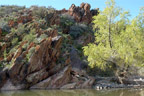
x=120, y=92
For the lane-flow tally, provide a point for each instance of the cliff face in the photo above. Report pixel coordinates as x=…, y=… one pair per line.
x=42, y=48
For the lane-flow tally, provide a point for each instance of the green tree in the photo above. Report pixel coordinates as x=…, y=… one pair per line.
x=119, y=42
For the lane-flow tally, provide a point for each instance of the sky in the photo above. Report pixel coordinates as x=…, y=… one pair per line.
x=130, y=5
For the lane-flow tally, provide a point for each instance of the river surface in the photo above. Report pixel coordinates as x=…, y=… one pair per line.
x=111, y=92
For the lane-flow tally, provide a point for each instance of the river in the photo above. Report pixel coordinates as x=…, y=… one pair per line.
x=80, y=92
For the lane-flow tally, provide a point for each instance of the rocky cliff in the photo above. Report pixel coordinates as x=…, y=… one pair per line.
x=41, y=48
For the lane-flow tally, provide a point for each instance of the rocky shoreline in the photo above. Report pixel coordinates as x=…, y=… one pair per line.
x=47, y=54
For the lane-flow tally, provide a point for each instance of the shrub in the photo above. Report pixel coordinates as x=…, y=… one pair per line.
x=78, y=29
x=6, y=10
x=19, y=31
x=66, y=20
x=41, y=12
x=29, y=37
x=30, y=52
x=4, y=26
x=39, y=39
x=14, y=41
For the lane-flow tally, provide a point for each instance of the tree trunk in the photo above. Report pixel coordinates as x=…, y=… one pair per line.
x=118, y=77
x=110, y=41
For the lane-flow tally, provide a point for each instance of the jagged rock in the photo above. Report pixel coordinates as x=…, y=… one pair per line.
x=45, y=67
x=75, y=12
x=45, y=56
x=3, y=78
x=81, y=79
x=82, y=13
x=31, y=45
x=55, y=81
x=35, y=77
x=82, y=5
x=18, y=71
x=42, y=64
x=75, y=59
x=88, y=83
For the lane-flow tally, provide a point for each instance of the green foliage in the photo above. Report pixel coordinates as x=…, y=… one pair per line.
x=5, y=54
x=4, y=26
x=118, y=41
x=66, y=20
x=6, y=10
x=31, y=51
x=30, y=37
x=19, y=31
x=14, y=41
x=39, y=39
x=12, y=50
x=41, y=12
x=77, y=29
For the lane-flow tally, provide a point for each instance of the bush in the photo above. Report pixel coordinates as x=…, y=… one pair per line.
x=41, y=12
x=66, y=20
x=4, y=26
x=6, y=10
x=29, y=37
x=19, y=31
x=78, y=29
x=14, y=41
x=30, y=52
x=39, y=39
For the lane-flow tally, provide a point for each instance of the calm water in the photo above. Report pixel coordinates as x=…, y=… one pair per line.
x=121, y=92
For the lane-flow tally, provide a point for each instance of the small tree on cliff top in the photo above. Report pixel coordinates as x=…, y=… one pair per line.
x=119, y=42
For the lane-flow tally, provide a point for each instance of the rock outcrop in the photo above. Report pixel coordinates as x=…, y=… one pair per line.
x=36, y=55
x=42, y=70
x=82, y=13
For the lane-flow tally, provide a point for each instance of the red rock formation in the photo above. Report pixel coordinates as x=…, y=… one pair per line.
x=56, y=81
x=82, y=13
x=44, y=68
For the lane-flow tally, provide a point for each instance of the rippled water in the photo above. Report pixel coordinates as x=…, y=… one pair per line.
x=120, y=92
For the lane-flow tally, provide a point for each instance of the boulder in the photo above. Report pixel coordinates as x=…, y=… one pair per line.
x=75, y=59
x=55, y=81
x=18, y=71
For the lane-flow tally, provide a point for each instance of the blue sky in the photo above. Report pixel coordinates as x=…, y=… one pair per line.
x=131, y=5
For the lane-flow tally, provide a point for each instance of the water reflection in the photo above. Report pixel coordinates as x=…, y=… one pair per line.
x=121, y=92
